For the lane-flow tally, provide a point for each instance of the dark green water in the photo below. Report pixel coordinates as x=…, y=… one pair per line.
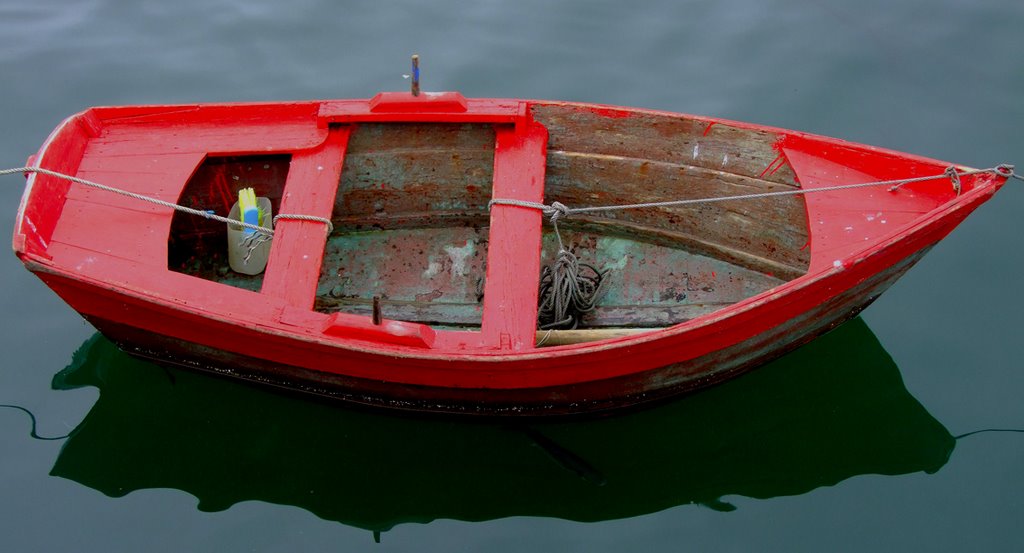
x=846, y=445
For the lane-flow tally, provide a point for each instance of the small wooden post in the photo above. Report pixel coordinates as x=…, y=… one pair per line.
x=415, y=75
x=377, y=318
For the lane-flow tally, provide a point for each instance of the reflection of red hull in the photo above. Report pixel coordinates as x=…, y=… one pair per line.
x=107, y=257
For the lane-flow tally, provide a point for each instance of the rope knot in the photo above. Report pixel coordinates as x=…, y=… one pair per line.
x=558, y=210
x=1006, y=171
x=954, y=176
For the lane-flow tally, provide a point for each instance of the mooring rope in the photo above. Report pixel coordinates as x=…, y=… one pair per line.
x=32, y=417
x=263, y=231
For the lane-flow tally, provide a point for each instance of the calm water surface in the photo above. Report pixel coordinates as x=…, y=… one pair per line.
x=849, y=444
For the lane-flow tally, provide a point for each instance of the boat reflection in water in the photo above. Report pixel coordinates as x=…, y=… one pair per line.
x=834, y=409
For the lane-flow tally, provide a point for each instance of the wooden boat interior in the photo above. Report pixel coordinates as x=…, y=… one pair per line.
x=411, y=217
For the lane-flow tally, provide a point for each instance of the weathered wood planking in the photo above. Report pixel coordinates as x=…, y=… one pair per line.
x=772, y=229
x=395, y=171
x=641, y=273
x=664, y=137
x=414, y=177
x=440, y=271
x=650, y=285
x=467, y=315
x=609, y=157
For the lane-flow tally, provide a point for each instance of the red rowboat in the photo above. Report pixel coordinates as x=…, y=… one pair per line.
x=406, y=269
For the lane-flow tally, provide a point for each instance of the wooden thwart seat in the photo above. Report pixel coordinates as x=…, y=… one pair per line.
x=513, y=256
x=290, y=273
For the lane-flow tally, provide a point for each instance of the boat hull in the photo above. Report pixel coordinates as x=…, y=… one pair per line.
x=583, y=396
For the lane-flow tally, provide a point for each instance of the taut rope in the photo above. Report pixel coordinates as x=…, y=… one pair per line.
x=557, y=210
x=569, y=289
x=198, y=212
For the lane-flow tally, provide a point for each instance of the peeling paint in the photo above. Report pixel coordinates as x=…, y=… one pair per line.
x=87, y=261
x=35, y=232
x=433, y=268
x=459, y=256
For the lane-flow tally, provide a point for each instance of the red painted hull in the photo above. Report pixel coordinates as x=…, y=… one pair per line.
x=583, y=396
x=113, y=278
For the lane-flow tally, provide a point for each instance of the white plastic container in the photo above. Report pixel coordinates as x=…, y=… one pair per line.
x=236, y=233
